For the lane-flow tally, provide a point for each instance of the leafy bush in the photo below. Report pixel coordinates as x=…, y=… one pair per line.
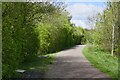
x=42, y=28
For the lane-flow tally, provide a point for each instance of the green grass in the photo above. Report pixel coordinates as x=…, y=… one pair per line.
x=38, y=63
x=102, y=60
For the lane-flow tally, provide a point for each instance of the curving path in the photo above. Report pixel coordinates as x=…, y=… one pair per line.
x=71, y=63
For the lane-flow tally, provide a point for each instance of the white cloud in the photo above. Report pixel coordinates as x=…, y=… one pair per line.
x=80, y=23
x=92, y=0
x=81, y=11
x=84, y=10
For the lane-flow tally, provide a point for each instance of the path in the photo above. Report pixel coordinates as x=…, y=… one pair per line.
x=71, y=63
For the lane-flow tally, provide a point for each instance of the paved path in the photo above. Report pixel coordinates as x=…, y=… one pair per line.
x=71, y=63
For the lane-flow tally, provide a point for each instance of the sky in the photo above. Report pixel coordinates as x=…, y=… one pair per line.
x=80, y=11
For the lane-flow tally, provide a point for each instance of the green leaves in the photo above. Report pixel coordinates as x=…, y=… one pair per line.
x=34, y=29
x=19, y=38
x=103, y=33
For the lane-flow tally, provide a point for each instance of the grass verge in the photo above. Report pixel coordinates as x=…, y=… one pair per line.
x=102, y=60
x=38, y=64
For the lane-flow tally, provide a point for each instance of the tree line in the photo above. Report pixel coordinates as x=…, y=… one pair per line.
x=106, y=32
x=32, y=29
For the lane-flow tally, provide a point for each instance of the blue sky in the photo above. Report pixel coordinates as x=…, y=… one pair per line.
x=80, y=11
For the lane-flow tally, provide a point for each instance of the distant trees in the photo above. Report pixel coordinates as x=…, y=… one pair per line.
x=31, y=29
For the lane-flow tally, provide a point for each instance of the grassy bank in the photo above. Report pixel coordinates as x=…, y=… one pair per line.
x=102, y=60
x=37, y=64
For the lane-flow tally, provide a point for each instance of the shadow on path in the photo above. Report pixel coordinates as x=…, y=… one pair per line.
x=71, y=63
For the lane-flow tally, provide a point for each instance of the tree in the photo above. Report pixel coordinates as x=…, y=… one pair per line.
x=41, y=29
x=106, y=30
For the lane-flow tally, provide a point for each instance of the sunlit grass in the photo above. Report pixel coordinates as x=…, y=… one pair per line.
x=102, y=60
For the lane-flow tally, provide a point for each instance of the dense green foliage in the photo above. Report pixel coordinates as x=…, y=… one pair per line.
x=102, y=60
x=32, y=29
x=19, y=38
x=104, y=35
x=104, y=40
